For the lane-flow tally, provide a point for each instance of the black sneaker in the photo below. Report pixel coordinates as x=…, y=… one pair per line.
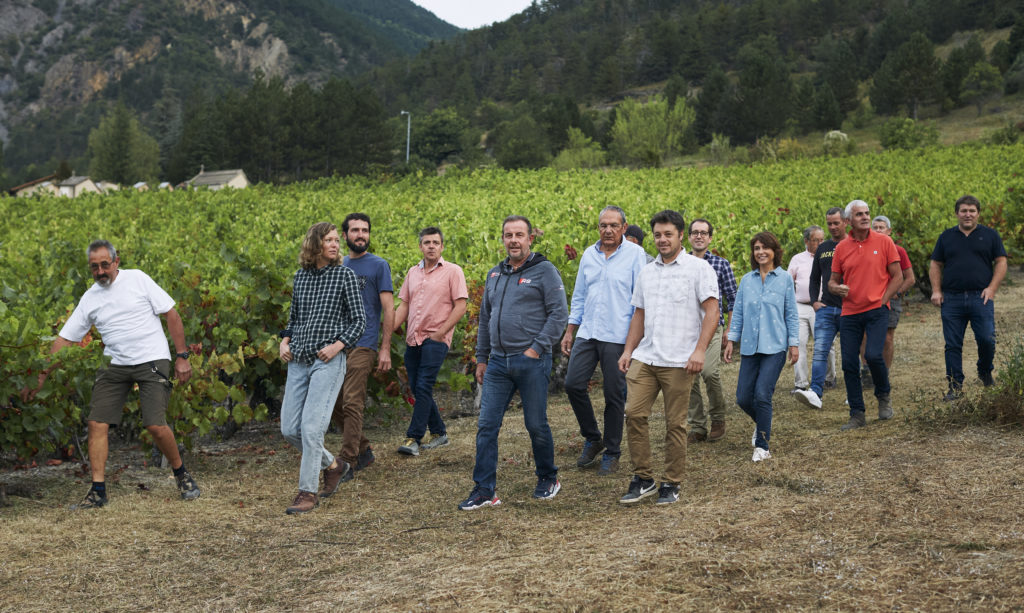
x=93, y=500
x=589, y=454
x=638, y=490
x=668, y=493
x=547, y=488
x=479, y=498
x=609, y=464
x=364, y=459
x=952, y=395
x=187, y=486
x=987, y=380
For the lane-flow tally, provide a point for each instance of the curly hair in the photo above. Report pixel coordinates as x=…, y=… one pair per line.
x=768, y=240
x=313, y=244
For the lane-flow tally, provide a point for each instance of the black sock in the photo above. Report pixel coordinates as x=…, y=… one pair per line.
x=100, y=487
x=179, y=471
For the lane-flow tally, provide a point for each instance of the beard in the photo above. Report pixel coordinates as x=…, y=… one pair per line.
x=357, y=248
x=103, y=280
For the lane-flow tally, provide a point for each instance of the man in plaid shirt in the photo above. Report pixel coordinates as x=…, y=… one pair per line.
x=326, y=318
x=701, y=232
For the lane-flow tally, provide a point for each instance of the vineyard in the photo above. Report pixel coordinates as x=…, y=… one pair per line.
x=228, y=257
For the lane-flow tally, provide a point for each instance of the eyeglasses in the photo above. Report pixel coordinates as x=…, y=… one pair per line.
x=105, y=265
x=699, y=233
x=609, y=226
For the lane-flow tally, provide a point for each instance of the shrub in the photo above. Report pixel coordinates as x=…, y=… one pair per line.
x=1009, y=134
x=837, y=143
x=905, y=133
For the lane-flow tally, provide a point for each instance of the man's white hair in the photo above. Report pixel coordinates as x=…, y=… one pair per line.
x=848, y=211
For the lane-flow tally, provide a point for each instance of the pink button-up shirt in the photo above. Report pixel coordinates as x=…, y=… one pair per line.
x=431, y=296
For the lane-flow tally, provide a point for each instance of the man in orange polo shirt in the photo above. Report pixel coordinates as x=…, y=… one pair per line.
x=433, y=299
x=866, y=274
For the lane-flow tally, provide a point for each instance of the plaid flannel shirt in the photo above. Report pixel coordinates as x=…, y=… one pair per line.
x=726, y=284
x=326, y=307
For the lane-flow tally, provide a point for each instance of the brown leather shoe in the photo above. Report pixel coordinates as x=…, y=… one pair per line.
x=304, y=503
x=717, y=430
x=695, y=437
x=334, y=476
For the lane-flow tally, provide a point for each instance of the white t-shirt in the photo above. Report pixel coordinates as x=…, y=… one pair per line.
x=671, y=297
x=127, y=315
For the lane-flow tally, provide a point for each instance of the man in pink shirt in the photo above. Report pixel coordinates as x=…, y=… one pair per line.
x=433, y=299
x=800, y=269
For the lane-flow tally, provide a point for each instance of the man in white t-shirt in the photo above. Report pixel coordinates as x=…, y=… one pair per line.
x=800, y=269
x=125, y=307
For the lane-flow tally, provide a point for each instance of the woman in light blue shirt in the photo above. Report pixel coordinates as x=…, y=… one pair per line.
x=765, y=322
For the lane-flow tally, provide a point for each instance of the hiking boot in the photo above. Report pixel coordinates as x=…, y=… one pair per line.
x=436, y=440
x=187, y=486
x=884, y=408
x=696, y=437
x=717, y=431
x=987, y=380
x=547, y=488
x=410, y=447
x=333, y=477
x=609, y=464
x=479, y=498
x=589, y=454
x=808, y=399
x=668, y=493
x=93, y=500
x=638, y=490
x=761, y=454
x=866, y=382
x=952, y=396
x=364, y=459
x=856, y=421
x=303, y=503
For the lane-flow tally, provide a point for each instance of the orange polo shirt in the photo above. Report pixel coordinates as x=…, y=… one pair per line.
x=431, y=296
x=864, y=266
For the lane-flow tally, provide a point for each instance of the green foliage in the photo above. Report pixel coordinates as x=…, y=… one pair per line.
x=121, y=151
x=582, y=152
x=1000, y=404
x=764, y=90
x=956, y=67
x=646, y=134
x=907, y=78
x=521, y=144
x=905, y=133
x=439, y=135
x=1009, y=134
x=982, y=83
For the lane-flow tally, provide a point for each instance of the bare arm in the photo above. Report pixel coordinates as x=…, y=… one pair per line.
x=59, y=343
x=908, y=281
x=835, y=285
x=388, y=325
x=895, y=281
x=182, y=368
x=935, y=276
x=567, y=339
x=998, y=274
x=633, y=338
x=457, y=312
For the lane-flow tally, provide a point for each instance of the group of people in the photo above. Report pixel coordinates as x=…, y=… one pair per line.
x=653, y=325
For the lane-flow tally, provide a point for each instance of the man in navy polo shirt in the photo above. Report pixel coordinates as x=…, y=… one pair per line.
x=968, y=264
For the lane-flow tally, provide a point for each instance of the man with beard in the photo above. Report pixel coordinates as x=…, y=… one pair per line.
x=374, y=275
x=125, y=306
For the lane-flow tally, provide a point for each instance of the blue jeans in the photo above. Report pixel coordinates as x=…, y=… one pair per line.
x=758, y=375
x=309, y=395
x=958, y=308
x=586, y=355
x=504, y=375
x=422, y=363
x=852, y=328
x=826, y=326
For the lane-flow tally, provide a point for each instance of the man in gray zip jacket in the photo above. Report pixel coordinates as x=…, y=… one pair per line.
x=522, y=316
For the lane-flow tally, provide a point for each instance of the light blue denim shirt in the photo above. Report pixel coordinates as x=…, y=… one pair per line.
x=765, y=319
x=601, y=299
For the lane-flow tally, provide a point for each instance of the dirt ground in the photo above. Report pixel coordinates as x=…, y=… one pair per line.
x=909, y=514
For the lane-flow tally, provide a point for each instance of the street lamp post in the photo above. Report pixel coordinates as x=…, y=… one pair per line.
x=408, y=133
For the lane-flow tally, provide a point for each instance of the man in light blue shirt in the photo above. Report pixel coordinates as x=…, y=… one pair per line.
x=599, y=319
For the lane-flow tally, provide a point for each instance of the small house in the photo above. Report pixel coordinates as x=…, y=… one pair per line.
x=219, y=179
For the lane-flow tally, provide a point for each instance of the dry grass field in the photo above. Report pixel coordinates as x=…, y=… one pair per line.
x=910, y=514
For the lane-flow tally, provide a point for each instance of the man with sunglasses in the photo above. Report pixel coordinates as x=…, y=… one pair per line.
x=125, y=306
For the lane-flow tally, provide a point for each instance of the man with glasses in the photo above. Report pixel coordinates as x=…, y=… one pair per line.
x=599, y=319
x=125, y=306
x=701, y=232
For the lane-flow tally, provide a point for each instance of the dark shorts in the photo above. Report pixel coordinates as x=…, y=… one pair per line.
x=110, y=392
x=895, y=309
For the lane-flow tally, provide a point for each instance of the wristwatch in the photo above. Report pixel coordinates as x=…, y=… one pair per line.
x=184, y=355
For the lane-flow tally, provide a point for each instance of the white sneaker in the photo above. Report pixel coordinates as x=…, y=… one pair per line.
x=808, y=398
x=761, y=454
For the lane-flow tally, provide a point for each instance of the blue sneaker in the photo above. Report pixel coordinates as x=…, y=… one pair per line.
x=668, y=493
x=609, y=464
x=589, y=454
x=547, y=488
x=479, y=498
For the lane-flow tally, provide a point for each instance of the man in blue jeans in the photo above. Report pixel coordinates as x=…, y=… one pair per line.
x=826, y=310
x=433, y=299
x=866, y=274
x=967, y=266
x=522, y=315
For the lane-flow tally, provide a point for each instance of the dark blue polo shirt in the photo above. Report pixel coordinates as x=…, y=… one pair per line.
x=967, y=259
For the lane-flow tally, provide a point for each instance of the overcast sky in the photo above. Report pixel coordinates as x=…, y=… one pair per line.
x=471, y=14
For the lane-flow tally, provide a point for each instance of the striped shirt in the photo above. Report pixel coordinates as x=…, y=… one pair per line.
x=326, y=307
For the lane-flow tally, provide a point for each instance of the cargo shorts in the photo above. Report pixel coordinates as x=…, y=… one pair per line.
x=110, y=392
x=895, y=310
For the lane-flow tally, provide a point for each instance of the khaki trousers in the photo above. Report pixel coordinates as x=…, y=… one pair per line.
x=348, y=408
x=643, y=384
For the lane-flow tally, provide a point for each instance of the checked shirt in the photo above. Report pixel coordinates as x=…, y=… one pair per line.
x=326, y=307
x=726, y=284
